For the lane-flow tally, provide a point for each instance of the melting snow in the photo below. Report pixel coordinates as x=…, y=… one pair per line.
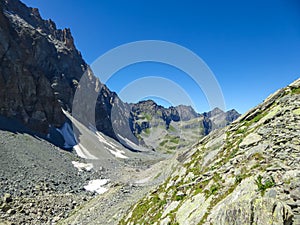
x=82, y=166
x=102, y=139
x=83, y=152
x=130, y=143
x=142, y=181
x=67, y=132
x=96, y=186
x=117, y=153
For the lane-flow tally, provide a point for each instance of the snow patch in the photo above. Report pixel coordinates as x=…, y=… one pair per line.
x=96, y=186
x=67, y=132
x=118, y=154
x=142, y=181
x=130, y=143
x=82, y=166
x=102, y=139
x=83, y=152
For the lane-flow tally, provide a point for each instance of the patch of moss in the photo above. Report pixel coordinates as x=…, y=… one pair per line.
x=204, y=218
x=288, y=181
x=217, y=177
x=257, y=118
x=179, y=197
x=147, y=116
x=214, y=189
x=197, y=190
x=172, y=147
x=255, y=166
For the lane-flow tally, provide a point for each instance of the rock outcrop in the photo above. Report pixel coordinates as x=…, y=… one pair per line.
x=40, y=67
x=247, y=173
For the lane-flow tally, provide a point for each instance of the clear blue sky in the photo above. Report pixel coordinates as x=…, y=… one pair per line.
x=253, y=47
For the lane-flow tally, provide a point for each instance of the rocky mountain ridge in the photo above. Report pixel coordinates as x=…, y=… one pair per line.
x=40, y=72
x=167, y=129
x=247, y=173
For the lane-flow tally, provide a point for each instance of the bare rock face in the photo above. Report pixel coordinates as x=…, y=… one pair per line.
x=39, y=67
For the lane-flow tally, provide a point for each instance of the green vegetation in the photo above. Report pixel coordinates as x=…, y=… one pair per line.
x=163, y=143
x=257, y=118
x=175, y=140
x=257, y=156
x=262, y=187
x=214, y=189
x=172, y=129
x=147, y=131
x=210, y=184
x=146, y=116
x=151, y=208
x=233, y=153
x=241, y=130
x=157, y=175
x=197, y=190
x=179, y=197
x=295, y=91
x=239, y=178
x=288, y=181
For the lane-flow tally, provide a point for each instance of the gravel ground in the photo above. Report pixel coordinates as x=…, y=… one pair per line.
x=38, y=183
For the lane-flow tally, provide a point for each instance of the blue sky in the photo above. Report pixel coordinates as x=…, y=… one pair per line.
x=252, y=47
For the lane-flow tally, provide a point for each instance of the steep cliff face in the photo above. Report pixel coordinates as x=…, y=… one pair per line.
x=40, y=71
x=40, y=67
x=247, y=173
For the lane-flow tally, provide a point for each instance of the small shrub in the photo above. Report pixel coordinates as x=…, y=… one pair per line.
x=241, y=131
x=262, y=187
x=296, y=91
x=163, y=143
x=233, y=153
x=147, y=131
x=179, y=197
x=239, y=178
x=213, y=189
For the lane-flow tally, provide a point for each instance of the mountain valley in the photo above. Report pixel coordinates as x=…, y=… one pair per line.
x=66, y=161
